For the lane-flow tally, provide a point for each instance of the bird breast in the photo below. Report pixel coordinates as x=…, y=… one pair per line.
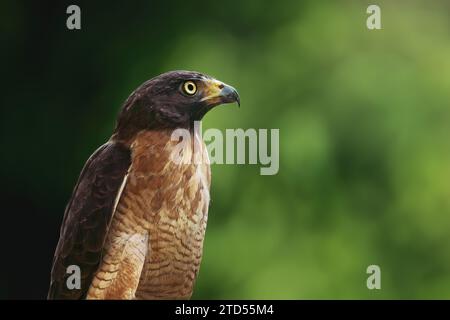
x=167, y=202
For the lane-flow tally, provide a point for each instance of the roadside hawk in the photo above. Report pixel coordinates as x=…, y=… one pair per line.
x=136, y=220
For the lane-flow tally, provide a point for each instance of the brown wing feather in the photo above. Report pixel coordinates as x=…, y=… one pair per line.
x=87, y=218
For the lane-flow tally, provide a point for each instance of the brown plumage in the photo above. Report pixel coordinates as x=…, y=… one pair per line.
x=136, y=221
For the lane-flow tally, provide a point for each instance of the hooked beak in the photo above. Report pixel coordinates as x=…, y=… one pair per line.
x=217, y=92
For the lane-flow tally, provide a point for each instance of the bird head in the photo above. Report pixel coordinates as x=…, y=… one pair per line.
x=173, y=99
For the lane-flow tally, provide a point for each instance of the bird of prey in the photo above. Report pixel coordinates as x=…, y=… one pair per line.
x=136, y=220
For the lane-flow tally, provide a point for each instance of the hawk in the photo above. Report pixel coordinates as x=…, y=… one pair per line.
x=136, y=220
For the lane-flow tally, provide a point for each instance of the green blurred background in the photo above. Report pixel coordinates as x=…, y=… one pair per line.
x=364, y=121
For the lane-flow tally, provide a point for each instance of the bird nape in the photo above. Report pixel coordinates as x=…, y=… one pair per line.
x=135, y=224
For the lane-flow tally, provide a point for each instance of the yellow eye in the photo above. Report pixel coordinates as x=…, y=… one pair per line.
x=189, y=88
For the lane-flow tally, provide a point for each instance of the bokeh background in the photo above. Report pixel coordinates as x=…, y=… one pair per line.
x=364, y=121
